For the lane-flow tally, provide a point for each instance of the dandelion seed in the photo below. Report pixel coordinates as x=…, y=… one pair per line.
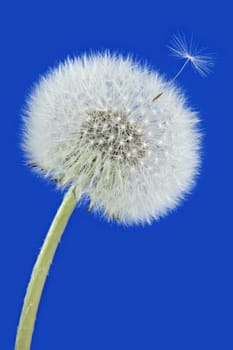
x=200, y=61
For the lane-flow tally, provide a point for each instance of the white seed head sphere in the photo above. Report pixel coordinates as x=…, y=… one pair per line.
x=91, y=123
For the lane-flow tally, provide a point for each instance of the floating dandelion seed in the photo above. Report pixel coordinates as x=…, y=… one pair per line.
x=191, y=53
x=92, y=125
x=188, y=50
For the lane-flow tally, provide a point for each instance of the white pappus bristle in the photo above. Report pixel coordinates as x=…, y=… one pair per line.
x=200, y=60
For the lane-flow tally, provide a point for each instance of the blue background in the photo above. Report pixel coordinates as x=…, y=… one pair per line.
x=165, y=286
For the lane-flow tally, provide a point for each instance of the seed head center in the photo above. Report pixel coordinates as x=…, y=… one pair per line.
x=114, y=136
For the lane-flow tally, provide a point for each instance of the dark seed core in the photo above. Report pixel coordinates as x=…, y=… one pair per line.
x=112, y=134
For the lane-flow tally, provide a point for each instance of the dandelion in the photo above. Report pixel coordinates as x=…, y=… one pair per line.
x=93, y=126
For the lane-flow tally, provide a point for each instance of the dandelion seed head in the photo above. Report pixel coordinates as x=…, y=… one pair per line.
x=91, y=123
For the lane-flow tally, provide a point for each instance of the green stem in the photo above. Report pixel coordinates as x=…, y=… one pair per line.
x=40, y=271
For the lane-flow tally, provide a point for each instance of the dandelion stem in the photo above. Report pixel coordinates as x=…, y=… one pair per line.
x=40, y=271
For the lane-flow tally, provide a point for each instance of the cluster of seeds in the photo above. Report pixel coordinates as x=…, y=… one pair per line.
x=115, y=136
